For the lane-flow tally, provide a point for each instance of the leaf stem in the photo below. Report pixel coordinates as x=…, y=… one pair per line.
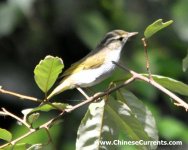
x=146, y=56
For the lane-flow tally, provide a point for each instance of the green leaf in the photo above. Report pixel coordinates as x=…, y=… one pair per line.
x=40, y=135
x=185, y=63
x=19, y=146
x=172, y=84
x=142, y=113
x=31, y=114
x=5, y=135
x=106, y=122
x=155, y=27
x=46, y=108
x=47, y=71
x=33, y=117
x=95, y=127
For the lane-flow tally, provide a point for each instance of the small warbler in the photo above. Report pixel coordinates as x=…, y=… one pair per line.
x=97, y=65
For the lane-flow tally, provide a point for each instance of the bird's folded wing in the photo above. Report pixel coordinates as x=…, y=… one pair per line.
x=91, y=62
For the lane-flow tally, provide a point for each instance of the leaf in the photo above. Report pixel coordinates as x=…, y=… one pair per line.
x=33, y=117
x=40, y=135
x=46, y=108
x=106, y=122
x=47, y=71
x=141, y=112
x=18, y=146
x=155, y=27
x=5, y=135
x=171, y=84
x=31, y=114
x=185, y=63
x=24, y=146
x=90, y=129
x=95, y=127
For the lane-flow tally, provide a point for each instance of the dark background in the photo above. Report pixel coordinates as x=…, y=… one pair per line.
x=32, y=29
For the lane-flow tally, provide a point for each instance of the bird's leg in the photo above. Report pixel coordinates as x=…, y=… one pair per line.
x=93, y=92
x=82, y=92
x=112, y=84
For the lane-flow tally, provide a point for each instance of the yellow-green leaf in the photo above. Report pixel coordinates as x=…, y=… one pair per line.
x=32, y=114
x=47, y=71
x=155, y=27
x=5, y=135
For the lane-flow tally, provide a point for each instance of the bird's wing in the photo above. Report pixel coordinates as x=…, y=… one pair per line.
x=89, y=62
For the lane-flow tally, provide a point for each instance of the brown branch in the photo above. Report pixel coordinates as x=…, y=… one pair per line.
x=99, y=95
x=45, y=126
x=19, y=138
x=135, y=75
x=19, y=95
x=7, y=113
x=146, y=56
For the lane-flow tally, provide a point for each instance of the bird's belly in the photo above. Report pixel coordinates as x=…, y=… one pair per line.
x=90, y=77
x=87, y=78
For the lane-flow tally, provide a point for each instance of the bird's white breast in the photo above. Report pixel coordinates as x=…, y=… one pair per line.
x=90, y=77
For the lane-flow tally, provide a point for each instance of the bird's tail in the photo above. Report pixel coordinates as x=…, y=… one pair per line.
x=60, y=88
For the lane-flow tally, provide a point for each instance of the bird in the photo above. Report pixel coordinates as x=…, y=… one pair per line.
x=97, y=65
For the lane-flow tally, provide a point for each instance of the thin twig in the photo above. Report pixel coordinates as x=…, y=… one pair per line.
x=179, y=101
x=15, y=117
x=45, y=126
x=147, y=58
x=19, y=95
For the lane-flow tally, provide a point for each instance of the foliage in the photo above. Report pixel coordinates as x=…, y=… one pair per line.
x=155, y=27
x=5, y=135
x=47, y=71
x=26, y=25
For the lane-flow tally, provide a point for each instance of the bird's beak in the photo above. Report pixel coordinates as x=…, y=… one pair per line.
x=132, y=34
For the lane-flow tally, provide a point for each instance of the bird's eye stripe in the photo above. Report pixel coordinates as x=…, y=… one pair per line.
x=109, y=38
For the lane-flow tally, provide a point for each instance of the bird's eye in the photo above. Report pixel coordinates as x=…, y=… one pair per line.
x=121, y=38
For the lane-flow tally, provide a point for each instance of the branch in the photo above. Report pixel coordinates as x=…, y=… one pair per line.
x=99, y=95
x=45, y=126
x=135, y=75
x=7, y=113
x=49, y=124
x=146, y=56
x=19, y=95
